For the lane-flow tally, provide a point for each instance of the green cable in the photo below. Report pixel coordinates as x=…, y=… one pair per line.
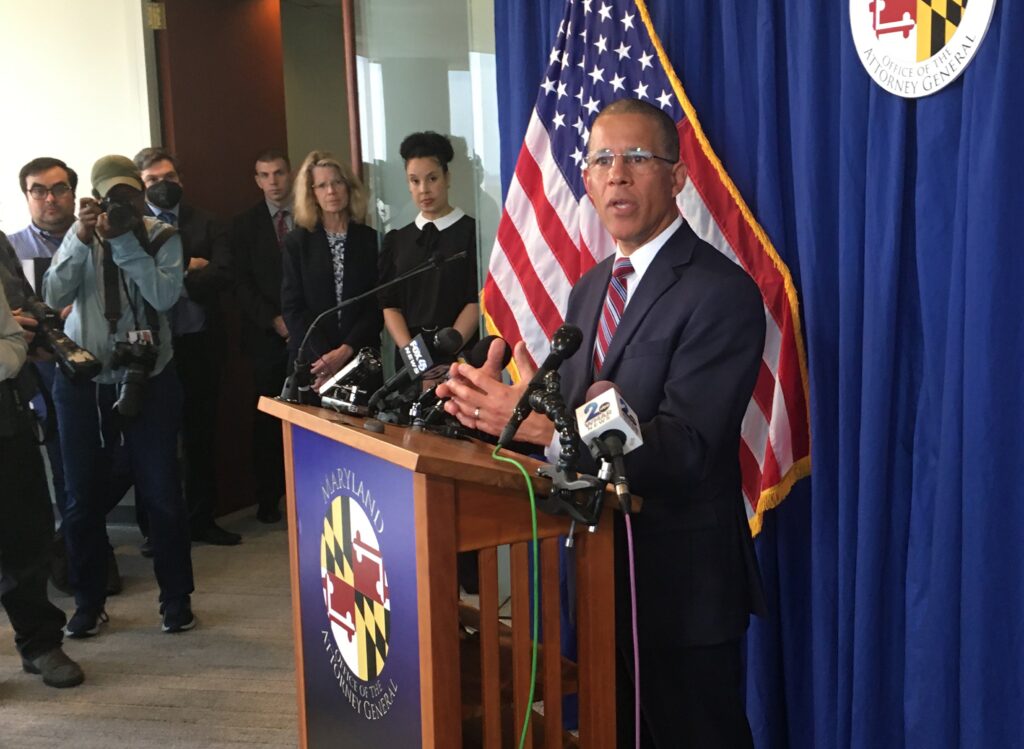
x=536, y=587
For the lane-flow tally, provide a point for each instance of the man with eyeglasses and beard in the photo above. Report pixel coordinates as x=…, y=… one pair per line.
x=49, y=188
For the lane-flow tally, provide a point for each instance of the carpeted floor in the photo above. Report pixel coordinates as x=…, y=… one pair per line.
x=228, y=683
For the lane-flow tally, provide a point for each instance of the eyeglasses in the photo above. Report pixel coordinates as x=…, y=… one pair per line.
x=635, y=159
x=59, y=190
x=337, y=184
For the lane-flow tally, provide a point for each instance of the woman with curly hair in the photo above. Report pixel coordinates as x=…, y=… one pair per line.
x=329, y=257
x=446, y=296
x=443, y=297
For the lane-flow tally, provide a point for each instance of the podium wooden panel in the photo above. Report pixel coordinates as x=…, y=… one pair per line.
x=464, y=500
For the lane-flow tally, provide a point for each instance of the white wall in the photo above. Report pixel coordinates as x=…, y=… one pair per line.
x=74, y=86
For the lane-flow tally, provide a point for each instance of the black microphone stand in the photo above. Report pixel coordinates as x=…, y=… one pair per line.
x=298, y=381
x=577, y=495
x=550, y=403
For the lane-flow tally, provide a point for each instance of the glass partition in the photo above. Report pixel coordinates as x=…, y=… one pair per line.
x=429, y=65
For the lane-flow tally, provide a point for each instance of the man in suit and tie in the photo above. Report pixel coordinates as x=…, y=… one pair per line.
x=198, y=334
x=257, y=237
x=679, y=328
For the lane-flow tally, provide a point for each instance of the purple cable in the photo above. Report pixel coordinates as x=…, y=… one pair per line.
x=636, y=636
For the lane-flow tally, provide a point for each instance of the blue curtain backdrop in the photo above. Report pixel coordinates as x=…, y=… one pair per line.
x=897, y=572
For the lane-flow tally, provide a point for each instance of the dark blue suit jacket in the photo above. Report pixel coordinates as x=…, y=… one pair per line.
x=307, y=289
x=685, y=356
x=256, y=262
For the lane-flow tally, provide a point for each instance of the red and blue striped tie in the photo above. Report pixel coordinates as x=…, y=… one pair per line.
x=614, y=304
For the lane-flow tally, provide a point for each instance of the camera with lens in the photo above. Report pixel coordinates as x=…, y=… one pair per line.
x=350, y=388
x=122, y=215
x=138, y=359
x=78, y=364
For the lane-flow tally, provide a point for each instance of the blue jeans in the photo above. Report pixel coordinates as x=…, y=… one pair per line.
x=98, y=445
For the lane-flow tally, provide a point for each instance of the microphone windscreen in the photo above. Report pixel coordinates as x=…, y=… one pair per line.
x=477, y=356
x=447, y=341
x=566, y=340
x=599, y=387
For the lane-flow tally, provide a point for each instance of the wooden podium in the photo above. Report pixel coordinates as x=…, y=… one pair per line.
x=375, y=522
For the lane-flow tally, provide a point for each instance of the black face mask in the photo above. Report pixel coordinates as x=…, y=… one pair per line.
x=164, y=194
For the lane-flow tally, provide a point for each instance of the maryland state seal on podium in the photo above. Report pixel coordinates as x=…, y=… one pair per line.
x=355, y=588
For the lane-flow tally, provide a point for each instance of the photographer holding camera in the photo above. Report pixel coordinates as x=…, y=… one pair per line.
x=26, y=522
x=50, y=349
x=121, y=271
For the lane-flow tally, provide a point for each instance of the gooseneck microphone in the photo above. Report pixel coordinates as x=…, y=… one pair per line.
x=418, y=362
x=564, y=343
x=297, y=383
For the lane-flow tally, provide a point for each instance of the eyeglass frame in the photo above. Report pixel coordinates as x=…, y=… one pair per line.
x=336, y=184
x=40, y=192
x=648, y=157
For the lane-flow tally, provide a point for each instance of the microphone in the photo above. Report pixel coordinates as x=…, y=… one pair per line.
x=604, y=413
x=363, y=363
x=349, y=389
x=447, y=342
x=428, y=239
x=296, y=385
x=564, y=344
x=610, y=428
x=418, y=362
x=477, y=356
x=438, y=258
x=431, y=406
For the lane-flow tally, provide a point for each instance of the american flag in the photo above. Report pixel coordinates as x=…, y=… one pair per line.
x=550, y=234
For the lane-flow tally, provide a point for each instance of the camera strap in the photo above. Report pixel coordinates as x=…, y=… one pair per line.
x=113, y=280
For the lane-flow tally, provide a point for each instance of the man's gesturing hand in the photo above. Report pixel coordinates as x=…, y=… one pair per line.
x=480, y=400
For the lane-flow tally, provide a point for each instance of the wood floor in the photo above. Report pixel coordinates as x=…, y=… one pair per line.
x=228, y=683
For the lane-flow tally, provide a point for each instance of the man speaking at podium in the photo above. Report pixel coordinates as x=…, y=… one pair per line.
x=679, y=328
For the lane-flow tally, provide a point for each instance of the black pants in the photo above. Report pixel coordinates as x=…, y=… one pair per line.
x=269, y=371
x=689, y=697
x=199, y=374
x=26, y=533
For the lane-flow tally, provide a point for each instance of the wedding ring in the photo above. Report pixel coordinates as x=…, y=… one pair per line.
x=476, y=413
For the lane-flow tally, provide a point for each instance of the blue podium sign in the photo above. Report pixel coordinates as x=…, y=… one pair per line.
x=357, y=595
